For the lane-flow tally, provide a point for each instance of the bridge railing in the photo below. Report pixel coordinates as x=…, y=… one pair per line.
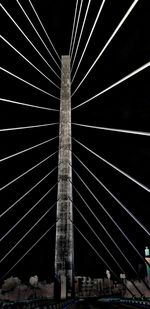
x=36, y=304
x=145, y=303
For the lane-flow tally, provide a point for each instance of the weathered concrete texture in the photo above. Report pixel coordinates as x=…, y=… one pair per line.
x=64, y=248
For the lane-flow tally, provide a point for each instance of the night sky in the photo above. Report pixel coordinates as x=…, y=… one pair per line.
x=125, y=107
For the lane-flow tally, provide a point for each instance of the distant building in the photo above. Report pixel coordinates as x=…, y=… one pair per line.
x=88, y=287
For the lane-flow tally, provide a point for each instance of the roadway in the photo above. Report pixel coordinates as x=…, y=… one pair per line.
x=89, y=304
x=108, y=304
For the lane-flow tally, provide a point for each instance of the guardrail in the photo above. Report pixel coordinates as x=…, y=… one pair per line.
x=42, y=303
x=137, y=303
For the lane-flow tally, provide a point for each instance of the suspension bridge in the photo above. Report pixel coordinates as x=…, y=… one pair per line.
x=85, y=200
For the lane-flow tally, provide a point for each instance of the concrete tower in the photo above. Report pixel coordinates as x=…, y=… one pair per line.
x=64, y=246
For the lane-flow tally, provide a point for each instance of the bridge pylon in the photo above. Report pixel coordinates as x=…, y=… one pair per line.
x=64, y=244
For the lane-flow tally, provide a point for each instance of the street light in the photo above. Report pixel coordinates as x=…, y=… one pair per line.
x=108, y=276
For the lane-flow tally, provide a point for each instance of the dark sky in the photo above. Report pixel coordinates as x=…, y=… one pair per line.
x=125, y=107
